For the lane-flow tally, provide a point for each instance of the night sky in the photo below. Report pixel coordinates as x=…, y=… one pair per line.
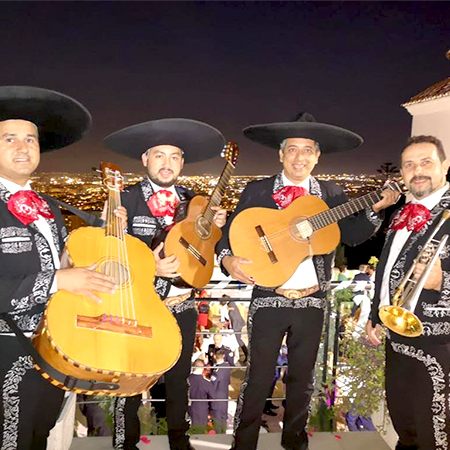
x=231, y=64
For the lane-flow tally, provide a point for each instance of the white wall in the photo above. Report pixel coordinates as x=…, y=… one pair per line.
x=432, y=117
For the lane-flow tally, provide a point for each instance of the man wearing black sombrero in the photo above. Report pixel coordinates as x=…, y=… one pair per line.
x=164, y=146
x=32, y=235
x=296, y=308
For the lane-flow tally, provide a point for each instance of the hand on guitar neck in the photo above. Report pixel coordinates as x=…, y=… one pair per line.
x=388, y=198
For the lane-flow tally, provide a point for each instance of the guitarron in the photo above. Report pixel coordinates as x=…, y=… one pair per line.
x=194, y=238
x=129, y=339
x=277, y=241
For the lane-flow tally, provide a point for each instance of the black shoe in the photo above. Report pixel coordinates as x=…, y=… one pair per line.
x=270, y=405
x=269, y=412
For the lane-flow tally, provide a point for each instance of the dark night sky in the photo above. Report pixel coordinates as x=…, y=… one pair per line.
x=231, y=64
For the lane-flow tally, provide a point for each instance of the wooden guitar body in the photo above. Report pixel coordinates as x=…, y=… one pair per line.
x=193, y=241
x=275, y=240
x=130, y=339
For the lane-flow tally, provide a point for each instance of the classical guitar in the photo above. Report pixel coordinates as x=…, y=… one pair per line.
x=129, y=339
x=277, y=241
x=193, y=239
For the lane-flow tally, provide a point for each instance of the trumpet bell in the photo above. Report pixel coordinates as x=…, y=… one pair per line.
x=401, y=321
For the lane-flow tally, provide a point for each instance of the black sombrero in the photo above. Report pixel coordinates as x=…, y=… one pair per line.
x=198, y=140
x=330, y=137
x=60, y=119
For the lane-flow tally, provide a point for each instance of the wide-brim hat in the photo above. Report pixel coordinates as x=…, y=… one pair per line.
x=330, y=137
x=60, y=119
x=198, y=140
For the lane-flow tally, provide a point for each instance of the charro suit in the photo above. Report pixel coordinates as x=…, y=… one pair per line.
x=418, y=369
x=271, y=316
x=27, y=272
x=143, y=225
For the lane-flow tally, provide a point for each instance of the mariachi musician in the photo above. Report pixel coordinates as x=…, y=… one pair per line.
x=418, y=365
x=32, y=236
x=164, y=146
x=296, y=308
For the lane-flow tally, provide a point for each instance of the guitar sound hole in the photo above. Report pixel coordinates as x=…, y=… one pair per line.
x=301, y=229
x=117, y=271
x=202, y=227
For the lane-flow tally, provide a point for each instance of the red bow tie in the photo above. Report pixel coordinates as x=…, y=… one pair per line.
x=285, y=196
x=413, y=216
x=27, y=206
x=163, y=203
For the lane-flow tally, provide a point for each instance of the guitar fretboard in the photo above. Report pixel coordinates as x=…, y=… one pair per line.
x=330, y=216
x=217, y=195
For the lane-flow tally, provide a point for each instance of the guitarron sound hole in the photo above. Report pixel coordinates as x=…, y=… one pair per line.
x=117, y=271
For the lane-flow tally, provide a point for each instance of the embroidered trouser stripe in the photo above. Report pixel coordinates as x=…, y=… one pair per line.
x=267, y=325
x=126, y=424
x=29, y=404
x=418, y=394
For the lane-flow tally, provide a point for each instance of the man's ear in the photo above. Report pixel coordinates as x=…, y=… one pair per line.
x=281, y=154
x=144, y=158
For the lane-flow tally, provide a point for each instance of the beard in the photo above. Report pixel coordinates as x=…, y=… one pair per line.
x=424, y=191
x=162, y=183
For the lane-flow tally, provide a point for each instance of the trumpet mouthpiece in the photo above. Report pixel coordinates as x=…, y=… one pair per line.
x=446, y=214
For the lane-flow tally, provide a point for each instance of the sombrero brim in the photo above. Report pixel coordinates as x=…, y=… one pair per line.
x=60, y=119
x=199, y=141
x=330, y=137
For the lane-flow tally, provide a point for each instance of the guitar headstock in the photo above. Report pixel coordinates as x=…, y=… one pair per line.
x=231, y=152
x=112, y=176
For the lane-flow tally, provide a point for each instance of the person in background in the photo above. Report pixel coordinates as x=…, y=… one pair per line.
x=221, y=380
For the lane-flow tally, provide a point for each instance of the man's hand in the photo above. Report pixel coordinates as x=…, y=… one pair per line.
x=220, y=218
x=120, y=212
x=434, y=279
x=84, y=281
x=233, y=266
x=166, y=267
x=373, y=333
x=388, y=198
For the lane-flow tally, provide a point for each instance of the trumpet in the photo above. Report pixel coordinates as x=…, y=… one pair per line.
x=399, y=316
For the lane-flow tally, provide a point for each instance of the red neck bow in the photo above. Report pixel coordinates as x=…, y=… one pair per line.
x=27, y=206
x=413, y=216
x=163, y=203
x=285, y=196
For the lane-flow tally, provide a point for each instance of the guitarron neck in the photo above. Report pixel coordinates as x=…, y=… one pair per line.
x=114, y=226
x=337, y=213
x=217, y=195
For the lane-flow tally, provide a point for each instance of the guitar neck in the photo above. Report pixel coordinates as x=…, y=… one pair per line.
x=114, y=225
x=217, y=195
x=337, y=213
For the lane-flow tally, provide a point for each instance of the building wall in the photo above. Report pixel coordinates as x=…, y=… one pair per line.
x=432, y=117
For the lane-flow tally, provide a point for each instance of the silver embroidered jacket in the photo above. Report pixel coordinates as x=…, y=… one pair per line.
x=26, y=265
x=436, y=322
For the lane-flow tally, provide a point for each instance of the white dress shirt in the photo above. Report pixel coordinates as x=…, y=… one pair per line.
x=305, y=275
x=400, y=238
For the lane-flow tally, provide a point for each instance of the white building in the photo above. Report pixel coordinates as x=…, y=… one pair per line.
x=430, y=111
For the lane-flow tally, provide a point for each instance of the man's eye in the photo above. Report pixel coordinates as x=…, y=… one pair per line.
x=9, y=139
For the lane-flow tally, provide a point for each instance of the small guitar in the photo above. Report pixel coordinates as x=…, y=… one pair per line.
x=277, y=241
x=129, y=339
x=194, y=238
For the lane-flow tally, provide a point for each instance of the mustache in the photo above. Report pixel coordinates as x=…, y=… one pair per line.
x=165, y=168
x=420, y=178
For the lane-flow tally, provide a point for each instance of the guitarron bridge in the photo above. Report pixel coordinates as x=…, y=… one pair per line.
x=191, y=249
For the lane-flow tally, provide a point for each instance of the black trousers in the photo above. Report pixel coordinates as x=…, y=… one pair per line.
x=418, y=395
x=30, y=405
x=266, y=326
x=126, y=421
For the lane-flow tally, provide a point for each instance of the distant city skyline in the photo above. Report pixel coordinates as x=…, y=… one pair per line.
x=231, y=64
